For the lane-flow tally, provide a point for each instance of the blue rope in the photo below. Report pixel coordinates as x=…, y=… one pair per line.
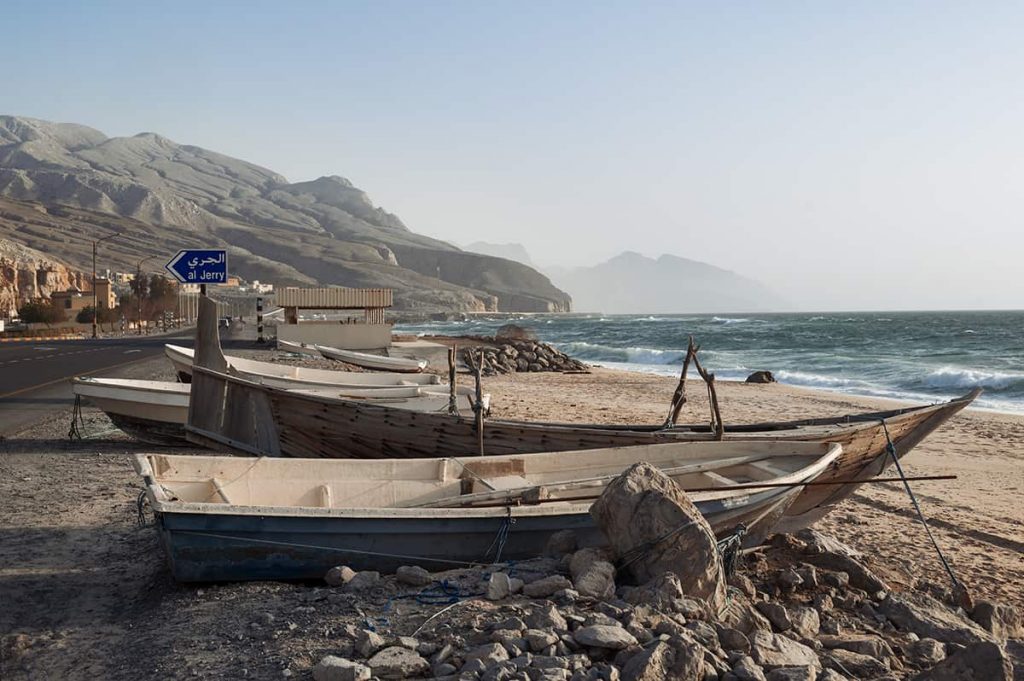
x=891, y=449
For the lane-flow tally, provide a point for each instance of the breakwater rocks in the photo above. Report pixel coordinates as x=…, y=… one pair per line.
x=509, y=356
x=514, y=348
x=789, y=613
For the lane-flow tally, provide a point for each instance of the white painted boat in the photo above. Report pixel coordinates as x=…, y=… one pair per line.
x=156, y=411
x=298, y=348
x=229, y=518
x=150, y=411
x=376, y=362
x=292, y=377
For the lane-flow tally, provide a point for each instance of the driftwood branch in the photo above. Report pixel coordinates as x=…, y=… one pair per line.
x=716, y=414
x=679, y=396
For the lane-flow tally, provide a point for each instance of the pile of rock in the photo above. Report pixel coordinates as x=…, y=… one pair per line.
x=513, y=356
x=802, y=607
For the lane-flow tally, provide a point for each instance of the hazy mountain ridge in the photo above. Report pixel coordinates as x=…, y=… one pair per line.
x=515, y=252
x=323, y=231
x=633, y=283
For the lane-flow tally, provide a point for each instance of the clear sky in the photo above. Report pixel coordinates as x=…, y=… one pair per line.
x=864, y=155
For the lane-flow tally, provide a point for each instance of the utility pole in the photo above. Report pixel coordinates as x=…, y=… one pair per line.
x=95, y=310
x=138, y=287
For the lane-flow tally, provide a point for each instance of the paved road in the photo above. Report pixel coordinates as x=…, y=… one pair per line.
x=34, y=375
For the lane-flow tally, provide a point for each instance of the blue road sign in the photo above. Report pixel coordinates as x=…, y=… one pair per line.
x=200, y=267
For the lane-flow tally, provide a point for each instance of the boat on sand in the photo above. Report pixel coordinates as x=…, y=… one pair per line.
x=376, y=362
x=229, y=518
x=289, y=376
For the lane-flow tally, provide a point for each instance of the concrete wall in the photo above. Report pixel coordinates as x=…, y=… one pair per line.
x=343, y=336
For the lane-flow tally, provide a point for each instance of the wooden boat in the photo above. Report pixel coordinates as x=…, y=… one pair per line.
x=150, y=411
x=258, y=419
x=226, y=519
x=377, y=362
x=287, y=376
x=156, y=411
x=297, y=348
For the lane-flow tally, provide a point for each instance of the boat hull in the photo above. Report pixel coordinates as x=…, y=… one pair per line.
x=149, y=411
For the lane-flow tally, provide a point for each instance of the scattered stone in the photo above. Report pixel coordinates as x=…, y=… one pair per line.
x=363, y=580
x=512, y=623
x=662, y=661
x=561, y=544
x=592, y=574
x=396, y=662
x=745, y=669
x=926, y=652
x=368, y=643
x=339, y=576
x=761, y=377
x=816, y=541
x=540, y=639
x=733, y=639
x=809, y=575
x=776, y=614
x=836, y=580
x=740, y=614
x=982, y=661
x=999, y=619
x=542, y=588
x=547, y=617
x=332, y=668
x=805, y=621
x=443, y=669
x=928, y=618
x=565, y=596
x=743, y=583
x=863, y=644
x=792, y=674
x=604, y=636
x=789, y=578
x=413, y=575
x=860, y=576
x=489, y=653
x=772, y=650
x=643, y=505
x=860, y=666
x=499, y=586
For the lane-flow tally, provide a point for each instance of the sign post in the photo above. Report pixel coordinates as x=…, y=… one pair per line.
x=200, y=267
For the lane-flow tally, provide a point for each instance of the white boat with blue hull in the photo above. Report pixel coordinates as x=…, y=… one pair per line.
x=230, y=519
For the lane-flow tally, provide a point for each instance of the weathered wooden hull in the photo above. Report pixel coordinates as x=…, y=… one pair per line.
x=213, y=528
x=375, y=362
x=306, y=426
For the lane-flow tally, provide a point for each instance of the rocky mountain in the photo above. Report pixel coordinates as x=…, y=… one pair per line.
x=633, y=283
x=25, y=274
x=516, y=252
x=66, y=184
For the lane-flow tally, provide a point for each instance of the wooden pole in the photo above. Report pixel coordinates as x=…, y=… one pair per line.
x=716, y=414
x=453, y=405
x=478, y=406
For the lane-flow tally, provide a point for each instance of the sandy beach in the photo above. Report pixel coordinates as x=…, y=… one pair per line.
x=84, y=592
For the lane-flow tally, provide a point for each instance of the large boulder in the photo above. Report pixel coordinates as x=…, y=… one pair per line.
x=514, y=332
x=1001, y=620
x=592, y=574
x=654, y=528
x=761, y=377
x=774, y=650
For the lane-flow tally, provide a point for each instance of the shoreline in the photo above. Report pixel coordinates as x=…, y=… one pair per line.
x=891, y=402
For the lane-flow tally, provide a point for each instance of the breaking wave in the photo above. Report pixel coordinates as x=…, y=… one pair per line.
x=952, y=377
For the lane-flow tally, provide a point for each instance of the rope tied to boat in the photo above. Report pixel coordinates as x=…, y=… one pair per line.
x=498, y=543
x=729, y=549
x=77, y=420
x=643, y=550
x=958, y=587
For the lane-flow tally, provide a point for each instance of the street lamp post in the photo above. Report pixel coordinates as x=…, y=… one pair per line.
x=138, y=287
x=95, y=310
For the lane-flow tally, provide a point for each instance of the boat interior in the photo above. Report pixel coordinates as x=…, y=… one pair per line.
x=708, y=470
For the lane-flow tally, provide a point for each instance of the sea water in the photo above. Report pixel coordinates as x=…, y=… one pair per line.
x=920, y=356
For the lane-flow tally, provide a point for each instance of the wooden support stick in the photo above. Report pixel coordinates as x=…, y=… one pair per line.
x=716, y=414
x=453, y=404
x=679, y=396
x=478, y=407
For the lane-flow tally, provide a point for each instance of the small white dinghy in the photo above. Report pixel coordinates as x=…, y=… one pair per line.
x=297, y=348
x=293, y=377
x=235, y=518
x=150, y=411
x=376, y=362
